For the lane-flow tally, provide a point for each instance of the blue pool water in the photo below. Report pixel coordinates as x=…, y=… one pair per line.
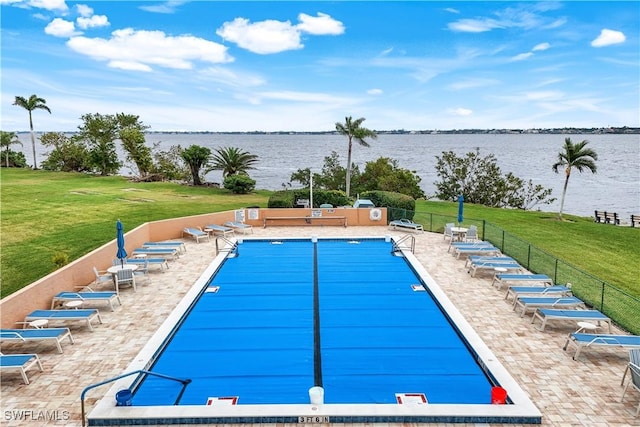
x=336, y=313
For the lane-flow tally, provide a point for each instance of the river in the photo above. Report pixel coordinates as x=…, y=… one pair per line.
x=615, y=187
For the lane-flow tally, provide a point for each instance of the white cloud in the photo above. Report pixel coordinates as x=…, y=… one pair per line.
x=452, y=10
x=93, y=22
x=522, y=56
x=474, y=25
x=608, y=37
x=463, y=112
x=166, y=7
x=61, y=28
x=323, y=24
x=49, y=4
x=541, y=46
x=139, y=50
x=84, y=10
x=374, y=91
x=263, y=37
x=473, y=83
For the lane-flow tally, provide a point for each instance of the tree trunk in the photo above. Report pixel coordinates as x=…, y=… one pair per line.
x=33, y=142
x=348, y=177
x=564, y=192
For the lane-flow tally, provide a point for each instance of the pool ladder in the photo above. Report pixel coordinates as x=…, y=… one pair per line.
x=407, y=242
x=227, y=245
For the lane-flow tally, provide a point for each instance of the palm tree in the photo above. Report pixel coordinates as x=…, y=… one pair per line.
x=7, y=139
x=233, y=161
x=196, y=156
x=33, y=103
x=574, y=156
x=352, y=129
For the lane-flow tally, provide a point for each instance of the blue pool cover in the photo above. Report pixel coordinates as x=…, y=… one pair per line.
x=334, y=313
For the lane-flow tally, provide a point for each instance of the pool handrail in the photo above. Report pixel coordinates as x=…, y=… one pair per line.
x=184, y=382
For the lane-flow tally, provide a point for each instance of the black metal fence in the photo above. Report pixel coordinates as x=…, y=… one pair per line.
x=620, y=306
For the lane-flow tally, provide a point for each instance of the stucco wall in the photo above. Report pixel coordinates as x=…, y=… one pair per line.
x=38, y=295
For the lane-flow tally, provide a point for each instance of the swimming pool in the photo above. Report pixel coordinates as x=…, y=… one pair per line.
x=373, y=329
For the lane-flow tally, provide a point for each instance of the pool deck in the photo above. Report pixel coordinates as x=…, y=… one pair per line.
x=585, y=392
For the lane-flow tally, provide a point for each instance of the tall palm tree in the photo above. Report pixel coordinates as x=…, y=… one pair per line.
x=574, y=156
x=354, y=131
x=7, y=139
x=33, y=103
x=232, y=161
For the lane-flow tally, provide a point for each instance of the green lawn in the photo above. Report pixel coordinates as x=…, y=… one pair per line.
x=48, y=213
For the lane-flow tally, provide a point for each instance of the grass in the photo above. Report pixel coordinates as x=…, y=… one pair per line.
x=48, y=213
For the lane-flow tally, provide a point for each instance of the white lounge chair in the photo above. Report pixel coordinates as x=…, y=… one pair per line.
x=169, y=253
x=21, y=363
x=517, y=291
x=166, y=244
x=142, y=262
x=634, y=381
x=239, y=226
x=527, y=303
x=503, y=266
x=406, y=224
x=501, y=279
x=57, y=335
x=547, y=314
x=219, y=230
x=195, y=233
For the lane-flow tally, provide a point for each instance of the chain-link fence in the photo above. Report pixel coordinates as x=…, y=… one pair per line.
x=620, y=306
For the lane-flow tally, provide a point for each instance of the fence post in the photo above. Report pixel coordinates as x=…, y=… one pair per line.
x=602, y=297
x=555, y=272
x=528, y=257
x=484, y=223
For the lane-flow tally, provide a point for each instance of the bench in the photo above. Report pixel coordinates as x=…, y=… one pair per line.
x=307, y=220
x=635, y=220
x=607, y=217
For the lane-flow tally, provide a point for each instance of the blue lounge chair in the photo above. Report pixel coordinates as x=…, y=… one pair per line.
x=582, y=341
x=86, y=297
x=573, y=316
x=517, y=291
x=470, y=245
x=500, y=279
x=478, y=259
x=239, y=226
x=195, y=233
x=168, y=244
x=486, y=251
x=406, y=224
x=504, y=266
x=161, y=262
x=57, y=335
x=83, y=315
x=157, y=252
x=20, y=362
x=219, y=230
x=527, y=303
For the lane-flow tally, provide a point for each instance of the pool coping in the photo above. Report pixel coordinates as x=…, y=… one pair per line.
x=520, y=410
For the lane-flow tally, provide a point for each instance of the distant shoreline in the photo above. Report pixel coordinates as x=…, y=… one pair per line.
x=625, y=130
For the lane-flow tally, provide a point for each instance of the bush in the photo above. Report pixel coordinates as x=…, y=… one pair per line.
x=398, y=205
x=239, y=184
x=60, y=259
x=287, y=198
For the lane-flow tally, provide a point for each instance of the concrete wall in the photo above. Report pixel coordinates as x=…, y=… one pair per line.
x=38, y=295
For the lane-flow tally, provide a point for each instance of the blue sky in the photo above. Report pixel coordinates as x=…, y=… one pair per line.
x=303, y=66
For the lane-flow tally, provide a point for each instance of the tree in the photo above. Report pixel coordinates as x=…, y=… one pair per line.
x=131, y=134
x=239, y=183
x=99, y=132
x=384, y=174
x=33, y=103
x=574, y=156
x=7, y=139
x=332, y=176
x=169, y=163
x=68, y=154
x=233, y=161
x=480, y=180
x=196, y=157
x=353, y=130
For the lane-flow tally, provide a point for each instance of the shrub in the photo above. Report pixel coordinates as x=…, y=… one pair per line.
x=239, y=184
x=398, y=205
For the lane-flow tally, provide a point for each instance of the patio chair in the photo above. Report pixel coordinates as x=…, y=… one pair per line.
x=195, y=233
x=124, y=276
x=102, y=276
x=448, y=231
x=634, y=381
x=239, y=226
x=472, y=234
x=541, y=279
x=57, y=335
x=169, y=253
x=517, y=291
x=167, y=244
x=141, y=262
x=142, y=272
x=634, y=358
x=20, y=362
x=527, y=303
x=406, y=224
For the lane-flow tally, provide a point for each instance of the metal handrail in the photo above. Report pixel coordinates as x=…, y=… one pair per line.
x=233, y=245
x=397, y=245
x=184, y=382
